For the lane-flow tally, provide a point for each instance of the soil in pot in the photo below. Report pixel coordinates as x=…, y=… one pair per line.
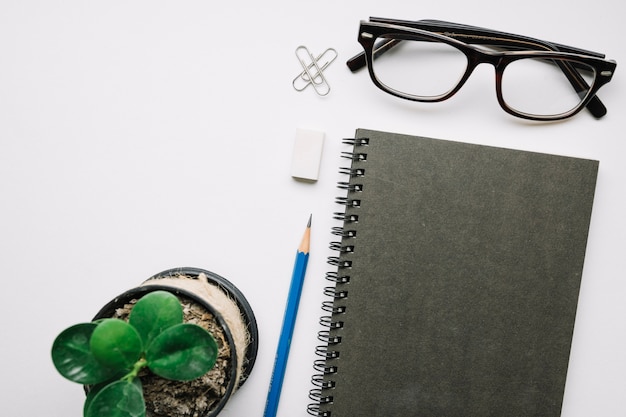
x=166, y=398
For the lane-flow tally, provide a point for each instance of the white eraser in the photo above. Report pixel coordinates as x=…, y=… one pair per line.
x=307, y=154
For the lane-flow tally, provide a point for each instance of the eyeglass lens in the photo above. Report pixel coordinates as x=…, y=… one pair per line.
x=428, y=70
x=423, y=69
x=540, y=87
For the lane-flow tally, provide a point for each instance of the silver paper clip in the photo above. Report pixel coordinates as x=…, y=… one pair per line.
x=313, y=70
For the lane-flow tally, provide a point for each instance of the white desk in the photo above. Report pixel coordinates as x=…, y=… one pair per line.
x=143, y=135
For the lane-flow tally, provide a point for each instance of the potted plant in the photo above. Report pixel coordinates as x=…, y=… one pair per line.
x=178, y=345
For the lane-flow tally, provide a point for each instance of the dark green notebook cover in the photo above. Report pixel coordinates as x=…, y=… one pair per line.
x=464, y=277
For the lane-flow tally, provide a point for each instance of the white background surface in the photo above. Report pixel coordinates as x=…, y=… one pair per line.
x=137, y=136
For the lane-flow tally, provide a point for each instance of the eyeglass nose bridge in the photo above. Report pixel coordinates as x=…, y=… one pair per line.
x=495, y=59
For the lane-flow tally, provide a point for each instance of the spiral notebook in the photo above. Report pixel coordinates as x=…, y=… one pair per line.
x=456, y=281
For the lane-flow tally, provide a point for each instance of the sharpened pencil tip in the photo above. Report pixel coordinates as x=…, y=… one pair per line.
x=306, y=238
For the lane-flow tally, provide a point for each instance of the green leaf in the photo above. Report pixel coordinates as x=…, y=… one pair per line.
x=155, y=312
x=116, y=344
x=73, y=358
x=95, y=389
x=118, y=399
x=182, y=352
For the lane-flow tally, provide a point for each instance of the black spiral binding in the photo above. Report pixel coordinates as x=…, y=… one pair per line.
x=331, y=321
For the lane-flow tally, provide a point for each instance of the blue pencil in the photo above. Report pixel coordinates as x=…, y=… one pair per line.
x=289, y=321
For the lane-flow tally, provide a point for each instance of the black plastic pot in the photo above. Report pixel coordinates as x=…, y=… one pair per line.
x=247, y=314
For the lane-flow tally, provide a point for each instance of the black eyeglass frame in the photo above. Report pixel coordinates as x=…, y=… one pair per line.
x=510, y=48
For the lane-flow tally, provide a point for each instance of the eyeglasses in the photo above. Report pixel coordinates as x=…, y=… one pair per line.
x=430, y=60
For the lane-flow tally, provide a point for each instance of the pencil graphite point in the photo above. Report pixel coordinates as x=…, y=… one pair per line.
x=306, y=238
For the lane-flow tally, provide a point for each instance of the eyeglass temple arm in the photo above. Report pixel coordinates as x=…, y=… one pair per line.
x=491, y=36
x=595, y=106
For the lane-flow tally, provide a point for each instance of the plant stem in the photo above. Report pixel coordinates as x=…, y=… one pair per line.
x=141, y=363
